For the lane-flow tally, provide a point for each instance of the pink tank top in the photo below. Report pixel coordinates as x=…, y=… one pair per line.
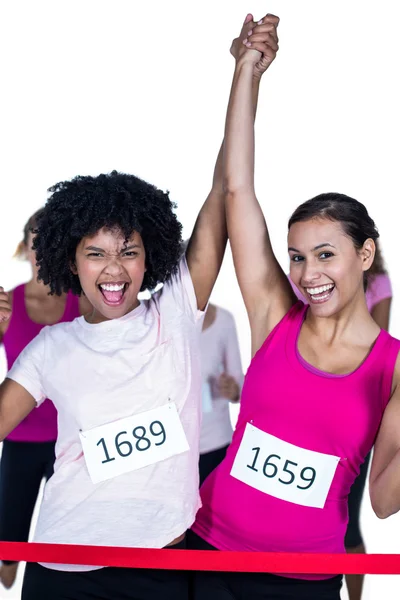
x=41, y=424
x=286, y=398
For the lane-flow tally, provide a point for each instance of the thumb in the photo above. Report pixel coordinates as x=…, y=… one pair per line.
x=248, y=18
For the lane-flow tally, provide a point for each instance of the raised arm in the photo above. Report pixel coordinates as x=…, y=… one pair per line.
x=207, y=244
x=266, y=291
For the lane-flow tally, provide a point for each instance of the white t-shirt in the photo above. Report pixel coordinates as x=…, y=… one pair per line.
x=97, y=374
x=219, y=353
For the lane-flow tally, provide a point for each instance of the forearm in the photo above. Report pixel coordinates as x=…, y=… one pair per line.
x=208, y=241
x=238, y=155
x=385, y=489
x=218, y=177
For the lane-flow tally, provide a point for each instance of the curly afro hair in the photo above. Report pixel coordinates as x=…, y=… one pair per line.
x=84, y=205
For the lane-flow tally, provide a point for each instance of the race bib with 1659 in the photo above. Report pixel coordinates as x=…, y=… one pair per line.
x=284, y=470
x=134, y=442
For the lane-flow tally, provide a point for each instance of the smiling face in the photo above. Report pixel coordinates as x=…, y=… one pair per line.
x=325, y=265
x=111, y=271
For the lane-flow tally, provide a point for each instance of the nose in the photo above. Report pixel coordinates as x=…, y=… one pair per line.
x=310, y=273
x=114, y=267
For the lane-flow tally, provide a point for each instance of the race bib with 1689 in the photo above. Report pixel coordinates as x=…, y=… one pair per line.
x=284, y=470
x=134, y=442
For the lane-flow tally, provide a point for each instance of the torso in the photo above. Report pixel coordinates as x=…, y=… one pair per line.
x=309, y=410
x=340, y=357
x=210, y=316
x=98, y=374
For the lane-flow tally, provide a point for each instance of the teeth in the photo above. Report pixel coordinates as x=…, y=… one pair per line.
x=320, y=290
x=110, y=287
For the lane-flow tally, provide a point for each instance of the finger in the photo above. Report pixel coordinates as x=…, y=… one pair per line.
x=248, y=18
x=266, y=28
x=264, y=38
x=270, y=19
x=5, y=314
x=265, y=50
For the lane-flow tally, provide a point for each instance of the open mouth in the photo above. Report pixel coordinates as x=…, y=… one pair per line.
x=321, y=293
x=113, y=293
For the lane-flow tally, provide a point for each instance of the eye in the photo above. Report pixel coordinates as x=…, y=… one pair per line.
x=130, y=253
x=297, y=258
x=95, y=254
x=324, y=255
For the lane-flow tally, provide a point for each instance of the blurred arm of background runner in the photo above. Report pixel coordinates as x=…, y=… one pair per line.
x=15, y=401
x=231, y=380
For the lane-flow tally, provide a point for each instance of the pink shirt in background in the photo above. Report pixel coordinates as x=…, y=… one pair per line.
x=219, y=353
x=41, y=424
x=379, y=288
x=310, y=410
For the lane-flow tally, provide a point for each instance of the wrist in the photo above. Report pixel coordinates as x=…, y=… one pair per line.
x=245, y=62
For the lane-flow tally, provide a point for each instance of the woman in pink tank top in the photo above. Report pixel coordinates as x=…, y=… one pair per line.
x=28, y=451
x=378, y=296
x=321, y=383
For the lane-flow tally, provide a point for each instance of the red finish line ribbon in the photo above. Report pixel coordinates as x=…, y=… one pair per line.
x=203, y=560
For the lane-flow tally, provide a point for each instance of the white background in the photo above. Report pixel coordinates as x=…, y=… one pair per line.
x=90, y=86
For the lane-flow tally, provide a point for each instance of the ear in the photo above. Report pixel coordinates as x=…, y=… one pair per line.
x=367, y=254
x=73, y=268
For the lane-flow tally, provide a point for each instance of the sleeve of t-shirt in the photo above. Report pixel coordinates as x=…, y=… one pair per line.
x=29, y=367
x=379, y=289
x=178, y=294
x=233, y=361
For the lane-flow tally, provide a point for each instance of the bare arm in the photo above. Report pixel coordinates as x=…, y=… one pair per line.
x=15, y=404
x=266, y=291
x=381, y=313
x=207, y=244
x=15, y=401
x=384, y=482
x=5, y=311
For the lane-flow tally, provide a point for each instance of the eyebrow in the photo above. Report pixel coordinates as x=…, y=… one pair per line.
x=324, y=245
x=124, y=249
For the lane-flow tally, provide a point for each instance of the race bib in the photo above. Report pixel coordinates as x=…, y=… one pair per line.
x=283, y=470
x=134, y=442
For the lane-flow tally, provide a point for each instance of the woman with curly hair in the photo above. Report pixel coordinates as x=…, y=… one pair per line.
x=28, y=451
x=126, y=379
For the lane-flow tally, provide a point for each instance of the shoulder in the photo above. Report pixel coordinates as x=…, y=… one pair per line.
x=379, y=282
x=177, y=295
x=56, y=333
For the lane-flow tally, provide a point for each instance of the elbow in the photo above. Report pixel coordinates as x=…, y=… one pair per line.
x=233, y=187
x=381, y=505
x=382, y=512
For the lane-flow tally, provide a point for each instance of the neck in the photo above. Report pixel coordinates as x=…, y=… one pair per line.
x=37, y=287
x=353, y=321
